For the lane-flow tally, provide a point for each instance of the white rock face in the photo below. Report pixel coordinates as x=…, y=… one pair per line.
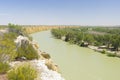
x=43, y=72
x=46, y=74
x=20, y=39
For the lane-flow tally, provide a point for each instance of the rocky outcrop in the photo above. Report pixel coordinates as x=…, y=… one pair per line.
x=47, y=69
x=21, y=40
x=51, y=65
x=45, y=55
x=45, y=73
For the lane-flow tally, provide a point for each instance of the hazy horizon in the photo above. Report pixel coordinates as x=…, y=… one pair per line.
x=62, y=12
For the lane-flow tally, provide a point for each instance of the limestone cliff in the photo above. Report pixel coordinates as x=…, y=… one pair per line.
x=48, y=70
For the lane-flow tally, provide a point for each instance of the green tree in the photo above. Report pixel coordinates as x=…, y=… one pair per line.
x=89, y=38
x=116, y=42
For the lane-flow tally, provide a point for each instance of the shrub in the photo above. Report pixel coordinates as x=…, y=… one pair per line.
x=23, y=72
x=7, y=47
x=111, y=54
x=27, y=51
x=104, y=51
x=97, y=43
x=4, y=67
x=14, y=28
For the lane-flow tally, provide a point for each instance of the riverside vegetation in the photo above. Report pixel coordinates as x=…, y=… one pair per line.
x=9, y=52
x=103, y=39
x=20, y=57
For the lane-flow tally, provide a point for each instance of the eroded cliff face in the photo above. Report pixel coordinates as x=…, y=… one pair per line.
x=47, y=69
x=44, y=73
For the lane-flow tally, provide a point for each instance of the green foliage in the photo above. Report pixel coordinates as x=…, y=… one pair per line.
x=116, y=41
x=111, y=54
x=96, y=43
x=23, y=72
x=15, y=27
x=18, y=30
x=2, y=27
x=4, y=67
x=7, y=47
x=58, y=33
x=97, y=36
x=104, y=51
x=27, y=51
x=88, y=38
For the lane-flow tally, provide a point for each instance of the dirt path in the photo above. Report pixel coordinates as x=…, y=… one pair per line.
x=3, y=77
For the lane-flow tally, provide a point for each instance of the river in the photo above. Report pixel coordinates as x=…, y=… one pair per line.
x=78, y=63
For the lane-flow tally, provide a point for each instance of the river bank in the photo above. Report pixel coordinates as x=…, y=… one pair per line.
x=104, y=40
x=105, y=51
x=28, y=52
x=78, y=63
x=108, y=52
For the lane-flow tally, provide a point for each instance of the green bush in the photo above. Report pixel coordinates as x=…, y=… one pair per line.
x=4, y=67
x=15, y=28
x=111, y=54
x=23, y=72
x=7, y=47
x=104, y=51
x=27, y=51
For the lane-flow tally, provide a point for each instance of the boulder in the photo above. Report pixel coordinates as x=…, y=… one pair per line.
x=21, y=41
x=51, y=65
x=45, y=55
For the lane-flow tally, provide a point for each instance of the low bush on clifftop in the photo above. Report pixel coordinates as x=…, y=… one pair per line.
x=7, y=47
x=28, y=52
x=4, y=67
x=23, y=72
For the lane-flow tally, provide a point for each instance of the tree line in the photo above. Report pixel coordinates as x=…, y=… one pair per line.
x=97, y=36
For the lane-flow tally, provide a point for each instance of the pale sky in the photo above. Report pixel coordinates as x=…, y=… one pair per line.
x=60, y=12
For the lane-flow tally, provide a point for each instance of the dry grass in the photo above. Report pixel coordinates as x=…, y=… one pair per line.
x=31, y=28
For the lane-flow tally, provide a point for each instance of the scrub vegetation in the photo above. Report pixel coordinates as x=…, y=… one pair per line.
x=10, y=51
x=23, y=72
x=20, y=57
x=103, y=37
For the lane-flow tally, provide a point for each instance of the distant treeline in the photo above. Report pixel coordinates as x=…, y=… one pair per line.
x=97, y=36
x=36, y=28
